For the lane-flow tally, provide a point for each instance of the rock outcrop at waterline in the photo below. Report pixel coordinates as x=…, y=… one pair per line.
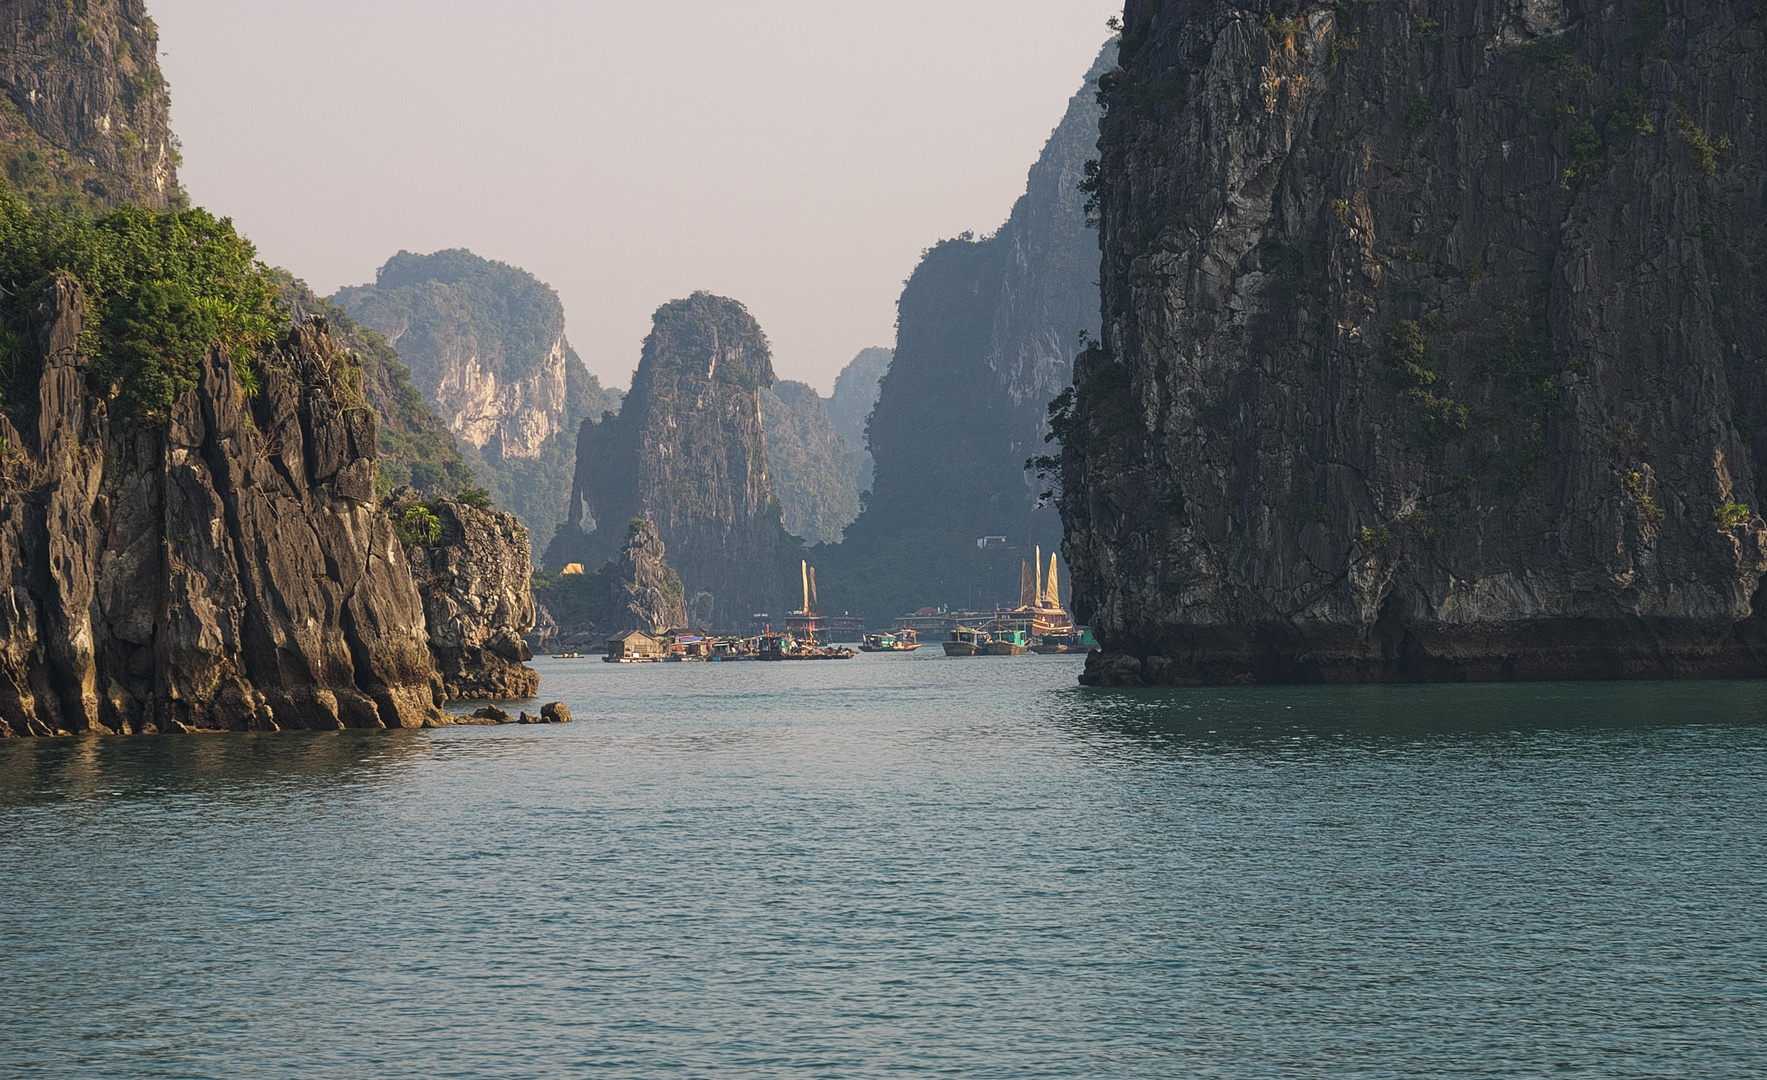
x=647, y=594
x=1432, y=345
x=477, y=600
x=228, y=569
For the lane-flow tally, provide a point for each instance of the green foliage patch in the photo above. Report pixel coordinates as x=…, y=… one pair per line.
x=1732, y=514
x=160, y=289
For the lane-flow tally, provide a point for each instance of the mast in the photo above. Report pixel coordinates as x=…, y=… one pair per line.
x=1037, y=577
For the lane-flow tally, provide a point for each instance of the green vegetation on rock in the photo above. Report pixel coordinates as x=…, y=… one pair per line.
x=160, y=288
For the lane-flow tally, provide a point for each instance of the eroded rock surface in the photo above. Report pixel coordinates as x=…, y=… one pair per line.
x=229, y=569
x=87, y=128
x=1432, y=345
x=477, y=601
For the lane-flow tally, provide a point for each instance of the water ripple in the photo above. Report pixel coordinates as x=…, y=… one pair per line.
x=907, y=866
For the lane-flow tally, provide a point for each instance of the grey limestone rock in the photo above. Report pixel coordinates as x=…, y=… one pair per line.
x=477, y=601
x=222, y=570
x=1432, y=346
x=687, y=453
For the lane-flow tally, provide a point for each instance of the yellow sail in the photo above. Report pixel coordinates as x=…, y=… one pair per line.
x=1037, y=576
x=806, y=573
x=1052, y=593
x=815, y=601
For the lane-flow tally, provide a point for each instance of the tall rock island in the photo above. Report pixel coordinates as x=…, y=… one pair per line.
x=1432, y=345
x=986, y=331
x=814, y=469
x=687, y=453
x=221, y=564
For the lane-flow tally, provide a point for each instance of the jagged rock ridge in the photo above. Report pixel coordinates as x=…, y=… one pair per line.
x=1430, y=348
x=83, y=123
x=687, y=452
x=647, y=594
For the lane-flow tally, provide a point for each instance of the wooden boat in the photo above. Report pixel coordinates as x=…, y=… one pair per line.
x=889, y=643
x=567, y=656
x=1008, y=643
x=965, y=641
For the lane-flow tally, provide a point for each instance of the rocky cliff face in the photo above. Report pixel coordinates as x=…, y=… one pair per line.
x=485, y=345
x=814, y=470
x=646, y=593
x=855, y=395
x=228, y=569
x=83, y=126
x=985, y=334
x=1430, y=347
x=473, y=575
x=687, y=452
x=416, y=449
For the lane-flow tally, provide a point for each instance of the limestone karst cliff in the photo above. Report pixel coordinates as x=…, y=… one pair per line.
x=83, y=120
x=485, y=344
x=687, y=452
x=985, y=334
x=855, y=395
x=224, y=565
x=1431, y=347
x=814, y=470
x=647, y=595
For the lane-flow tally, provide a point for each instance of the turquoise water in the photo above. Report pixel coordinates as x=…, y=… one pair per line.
x=907, y=866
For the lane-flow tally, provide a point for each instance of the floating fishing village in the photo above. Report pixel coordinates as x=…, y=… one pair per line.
x=1037, y=624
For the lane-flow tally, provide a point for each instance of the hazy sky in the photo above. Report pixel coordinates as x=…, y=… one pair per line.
x=797, y=156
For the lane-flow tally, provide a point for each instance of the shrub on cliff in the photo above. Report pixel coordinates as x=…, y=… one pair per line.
x=160, y=288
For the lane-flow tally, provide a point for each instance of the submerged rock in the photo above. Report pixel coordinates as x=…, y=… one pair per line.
x=556, y=712
x=1431, y=348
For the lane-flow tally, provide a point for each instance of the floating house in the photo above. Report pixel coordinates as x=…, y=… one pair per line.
x=634, y=646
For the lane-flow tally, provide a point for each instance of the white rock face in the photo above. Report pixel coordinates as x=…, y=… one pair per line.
x=479, y=408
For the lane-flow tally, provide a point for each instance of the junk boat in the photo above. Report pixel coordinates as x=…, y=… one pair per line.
x=803, y=644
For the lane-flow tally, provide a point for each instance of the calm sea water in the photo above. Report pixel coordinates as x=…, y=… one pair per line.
x=906, y=866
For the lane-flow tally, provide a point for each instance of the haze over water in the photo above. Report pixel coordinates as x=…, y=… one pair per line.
x=907, y=865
